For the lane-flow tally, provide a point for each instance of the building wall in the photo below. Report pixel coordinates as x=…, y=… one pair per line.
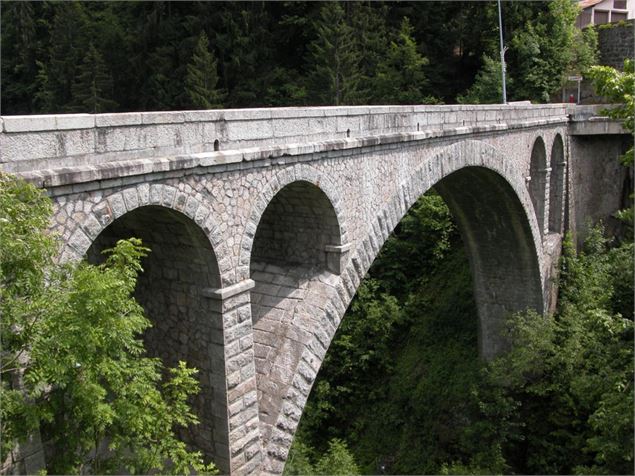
x=607, y=11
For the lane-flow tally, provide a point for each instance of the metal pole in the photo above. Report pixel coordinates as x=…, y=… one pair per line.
x=500, y=30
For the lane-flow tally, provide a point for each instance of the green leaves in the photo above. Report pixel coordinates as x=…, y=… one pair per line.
x=337, y=460
x=400, y=76
x=571, y=375
x=618, y=87
x=488, y=85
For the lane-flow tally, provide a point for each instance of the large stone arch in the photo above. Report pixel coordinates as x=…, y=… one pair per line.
x=538, y=180
x=180, y=275
x=462, y=172
x=558, y=165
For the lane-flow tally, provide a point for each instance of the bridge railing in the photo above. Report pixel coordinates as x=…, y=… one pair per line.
x=30, y=143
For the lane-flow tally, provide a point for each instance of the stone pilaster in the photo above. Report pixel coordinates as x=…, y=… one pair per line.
x=243, y=431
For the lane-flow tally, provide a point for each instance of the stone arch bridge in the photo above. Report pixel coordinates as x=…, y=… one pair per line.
x=263, y=222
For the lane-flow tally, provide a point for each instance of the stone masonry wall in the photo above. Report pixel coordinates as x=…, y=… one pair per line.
x=369, y=188
x=296, y=227
x=616, y=44
x=29, y=143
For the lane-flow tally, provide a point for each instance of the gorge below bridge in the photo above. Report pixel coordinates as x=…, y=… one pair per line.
x=263, y=222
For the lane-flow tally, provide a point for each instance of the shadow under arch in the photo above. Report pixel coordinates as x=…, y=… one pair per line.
x=500, y=248
x=297, y=236
x=558, y=165
x=186, y=325
x=538, y=172
x=296, y=251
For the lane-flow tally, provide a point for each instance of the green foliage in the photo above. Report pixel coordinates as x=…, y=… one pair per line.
x=281, y=53
x=548, y=49
x=404, y=336
x=619, y=88
x=488, y=85
x=371, y=35
x=571, y=376
x=337, y=460
x=18, y=66
x=65, y=53
x=400, y=76
x=334, y=57
x=93, y=86
x=299, y=460
x=202, y=78
x=73, y=365
x=421, y=239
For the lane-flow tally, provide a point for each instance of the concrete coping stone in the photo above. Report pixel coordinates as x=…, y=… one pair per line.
x=229, y=291
x=33, y=123
x=338, y=248
x=115, y=169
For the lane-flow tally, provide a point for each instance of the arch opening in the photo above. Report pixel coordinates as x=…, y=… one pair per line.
x=496, y=233
x=296, y=253
x=556, y=186
x=186, y=325
x=538, y=173
x=500, y=247
x=296, y=236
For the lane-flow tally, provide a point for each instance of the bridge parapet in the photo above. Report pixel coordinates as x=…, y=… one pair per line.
x=32, y=143
x=590, y=120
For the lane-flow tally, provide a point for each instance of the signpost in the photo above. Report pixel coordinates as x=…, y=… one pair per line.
x=577, y=79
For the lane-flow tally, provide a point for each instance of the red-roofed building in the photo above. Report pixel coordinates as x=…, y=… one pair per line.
x=598, y=12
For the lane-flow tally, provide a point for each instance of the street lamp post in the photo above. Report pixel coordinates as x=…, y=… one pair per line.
x=503, y=50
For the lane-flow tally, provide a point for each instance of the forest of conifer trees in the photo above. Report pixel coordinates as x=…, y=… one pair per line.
x=137, y=56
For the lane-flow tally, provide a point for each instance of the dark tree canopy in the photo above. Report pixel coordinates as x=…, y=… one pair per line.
x=276, y=53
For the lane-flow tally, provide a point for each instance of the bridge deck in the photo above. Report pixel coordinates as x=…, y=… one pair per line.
x=34, y=143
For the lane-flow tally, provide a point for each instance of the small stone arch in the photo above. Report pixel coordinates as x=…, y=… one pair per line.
x=112, y=206
x=299, y=174
x=558, y=165
x=538, y=176
x=174, y=289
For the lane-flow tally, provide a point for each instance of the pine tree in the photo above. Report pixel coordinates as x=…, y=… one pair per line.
x=335, y=56
x=369, y=24
x=67, y=38
x=488, y=85
x=202, y=77
x=93, y=86
x=44, y=98
x=18, y=66
x=400, y=77
x=162, y=89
